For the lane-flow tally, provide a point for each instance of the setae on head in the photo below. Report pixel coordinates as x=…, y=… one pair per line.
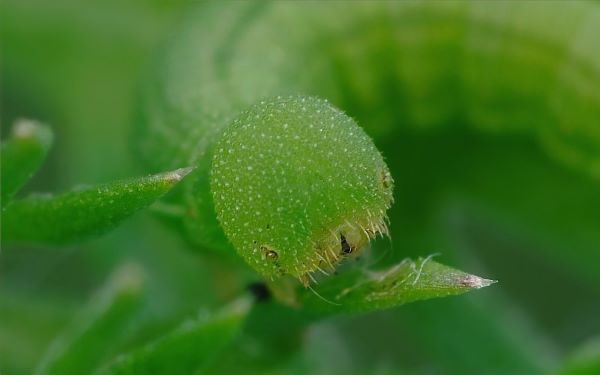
x=297, y=186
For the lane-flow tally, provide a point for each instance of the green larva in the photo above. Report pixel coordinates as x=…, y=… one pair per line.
x=496, y=66
x=297, y=185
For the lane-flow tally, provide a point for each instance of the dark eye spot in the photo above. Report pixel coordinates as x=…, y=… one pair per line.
x=386, y=178
x=268, y=226
x=346, y=249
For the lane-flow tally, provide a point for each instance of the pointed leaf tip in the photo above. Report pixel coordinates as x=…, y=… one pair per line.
x=84, y=213
x=178, y=174
x=30, y=129
x=22, y=154
x=476, y=282
x=405, y=282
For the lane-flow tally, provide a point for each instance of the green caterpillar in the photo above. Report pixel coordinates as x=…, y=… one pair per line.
x=239, y=70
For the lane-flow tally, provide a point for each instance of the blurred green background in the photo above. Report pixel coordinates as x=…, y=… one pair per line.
x=528, y=222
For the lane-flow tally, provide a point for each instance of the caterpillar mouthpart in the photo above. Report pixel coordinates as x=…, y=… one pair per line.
x=344, y=242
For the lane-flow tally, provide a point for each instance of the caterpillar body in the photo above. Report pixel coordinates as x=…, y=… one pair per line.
x=235, y=96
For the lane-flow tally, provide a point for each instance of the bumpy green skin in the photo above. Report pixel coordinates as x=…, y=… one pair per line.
x=524, y=67
x=297, y=185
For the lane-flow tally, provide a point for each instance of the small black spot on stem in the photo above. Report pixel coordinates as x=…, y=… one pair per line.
x=259, y=291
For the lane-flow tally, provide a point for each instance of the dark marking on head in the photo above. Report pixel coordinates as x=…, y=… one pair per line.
x=268, y=226
x=386, y=178
x=346, y=248
x=270, y=254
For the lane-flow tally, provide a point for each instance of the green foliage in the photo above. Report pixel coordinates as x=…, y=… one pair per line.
x=22, y=155
x=487, y=119
x=83, y=213
x=408, y=281
x=187, y=349
x=68, y=217
x=100, y=326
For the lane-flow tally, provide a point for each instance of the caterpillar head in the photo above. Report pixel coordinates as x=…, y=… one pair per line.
x=298, y=186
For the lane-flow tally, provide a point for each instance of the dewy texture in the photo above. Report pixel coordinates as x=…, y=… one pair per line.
x=297, y=186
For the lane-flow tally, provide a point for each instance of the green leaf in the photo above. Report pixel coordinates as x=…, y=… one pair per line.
x=408, y=281
x=83, y=213
x=99, y=328
x=22, y=155
x=188, y=348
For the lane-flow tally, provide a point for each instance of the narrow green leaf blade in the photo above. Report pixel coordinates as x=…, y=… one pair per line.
x=408, y=281
x=99, y=328
x=21, y=155
x=83, y=213
x=188, y=348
